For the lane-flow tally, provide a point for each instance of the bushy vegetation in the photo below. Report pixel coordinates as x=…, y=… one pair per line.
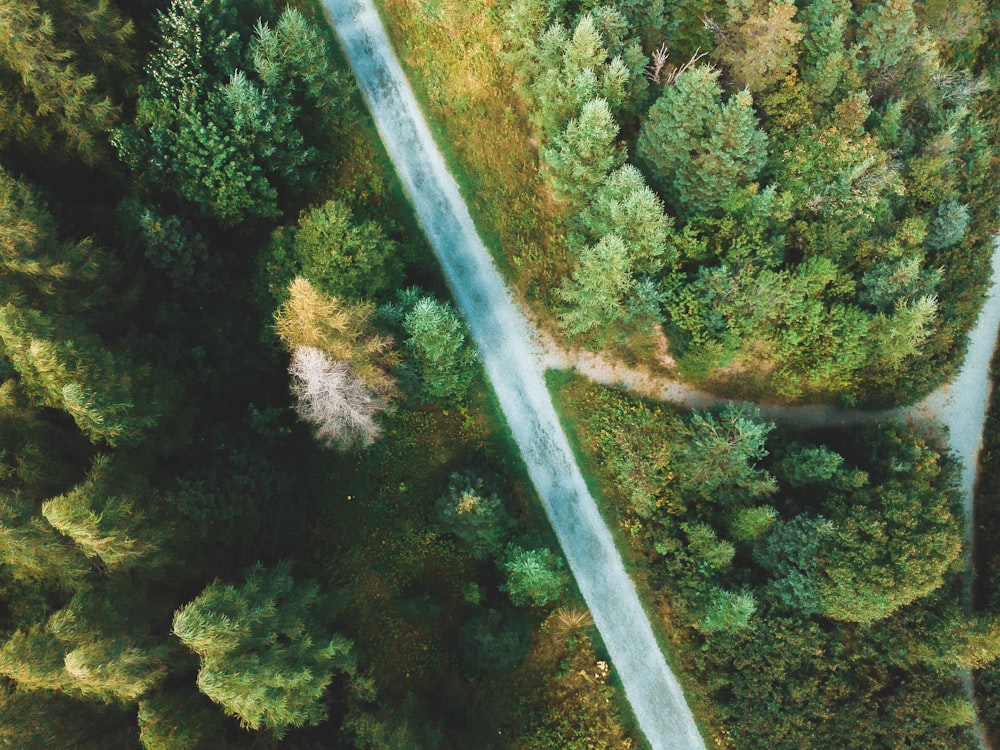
x=813, y=595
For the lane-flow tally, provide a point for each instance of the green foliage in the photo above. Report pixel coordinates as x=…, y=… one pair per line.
x=62, y=365
x=865, y=526
x=598, y=292
x=436, y=343
x=178, y=720
x=699, y=149
x=948, y=225
x=53, y=101
x=265, y=649
x=879, y=548
x=494, y=641
x=759, y=43
x=226, y=125
x=750, y=524
x=722, y=451
x=623, y=205
x=535, y=577
x=91, y=647
x=565, y=71
x=709, y=552
x=581, y=156
x=729, y=611
x=475, y=515
x=104, y=516
x=342, y=259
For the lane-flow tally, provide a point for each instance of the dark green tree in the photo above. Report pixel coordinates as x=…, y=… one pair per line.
x=700, y=149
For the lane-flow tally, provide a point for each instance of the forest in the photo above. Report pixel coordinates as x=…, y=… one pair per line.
x=255, y=489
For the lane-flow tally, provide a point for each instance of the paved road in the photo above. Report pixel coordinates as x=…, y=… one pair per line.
x=504, y=341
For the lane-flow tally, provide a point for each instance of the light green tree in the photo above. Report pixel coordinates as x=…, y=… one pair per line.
x=565, y=71
x=580, y=157
x=623, y=205
x=436, y=342
x=266, y=650
x=63, y=366
x=596, y=295
x=105, y=518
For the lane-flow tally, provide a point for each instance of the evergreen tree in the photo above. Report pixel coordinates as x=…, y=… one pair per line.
x=474, y=515
x=535, y=577
x=48, y=101
x=597, y=293
x=567, y=71
x=63, y=366
x=266, y=652
x=623, y=205
x=107, y=517
x=220, y=123
x=886, y=34
x=723, y=451
x=342, y=259
x=700, y=149
x=436, y=342
x=879, y=548
x=31, y=551
x=581, y=156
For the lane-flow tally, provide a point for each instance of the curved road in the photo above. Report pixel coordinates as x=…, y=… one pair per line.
x=504, y=340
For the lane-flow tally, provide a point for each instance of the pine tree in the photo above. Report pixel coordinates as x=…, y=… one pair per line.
x=437, y=344
x=33, y=261
x=474, y=515
x=63, y=366
x=623, y=205
x=567, y=71
x=535, y=577
x=723, y=450
x=266, y=652
x=581, y=156
x=31, y=551
x=886, y=34
x=55, y=105
x=699, y=148
x=341, y=258
x=825, y=62
x=879, y=547
x=597, y=293
x=107, y=518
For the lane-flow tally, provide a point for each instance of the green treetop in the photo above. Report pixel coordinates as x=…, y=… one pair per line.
x=267, y=653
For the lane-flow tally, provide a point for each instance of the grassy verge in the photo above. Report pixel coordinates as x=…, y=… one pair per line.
x=451, y=51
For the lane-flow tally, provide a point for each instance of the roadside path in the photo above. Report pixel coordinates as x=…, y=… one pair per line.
x=504, y=339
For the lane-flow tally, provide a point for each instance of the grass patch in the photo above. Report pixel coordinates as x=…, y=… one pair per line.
x=451, y=51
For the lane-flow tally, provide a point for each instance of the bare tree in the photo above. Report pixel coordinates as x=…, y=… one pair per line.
x=334, y=399
x=663, y=72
